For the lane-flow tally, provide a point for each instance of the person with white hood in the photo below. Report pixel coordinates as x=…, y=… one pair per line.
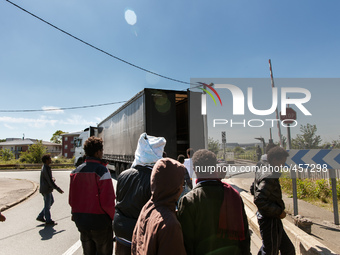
x=133, y=190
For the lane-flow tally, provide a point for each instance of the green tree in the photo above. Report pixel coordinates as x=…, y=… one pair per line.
x=56, y=138
x=34, y=153
x=6, y=154
x=307, y=139
x=238, y=150
x=213, y=145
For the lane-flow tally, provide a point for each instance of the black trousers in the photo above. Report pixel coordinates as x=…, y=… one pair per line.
x=274, y=237
x=97, y=242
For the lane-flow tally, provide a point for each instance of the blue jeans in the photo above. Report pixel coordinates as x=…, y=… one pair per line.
x=48, y=202
x=274, y=237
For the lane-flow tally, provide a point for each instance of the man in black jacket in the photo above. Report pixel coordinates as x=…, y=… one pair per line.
x=133, y=190
x=271, y=208
x=47, y=186
x=212, y=214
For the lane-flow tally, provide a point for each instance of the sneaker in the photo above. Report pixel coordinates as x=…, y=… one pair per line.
x=52, y=223
x=40, y=219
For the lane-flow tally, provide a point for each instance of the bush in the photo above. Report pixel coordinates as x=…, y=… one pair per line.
x=34, y=153
x=309, y=189
x=6, y=154
x=322, y=190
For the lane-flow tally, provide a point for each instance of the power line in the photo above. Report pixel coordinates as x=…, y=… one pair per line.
x=98, y=49
x=64, y=108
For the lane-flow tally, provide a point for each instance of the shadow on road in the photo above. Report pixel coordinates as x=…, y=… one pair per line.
x=48, y=232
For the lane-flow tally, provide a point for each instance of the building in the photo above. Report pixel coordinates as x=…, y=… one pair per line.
x=67, y=142
x=18, y=145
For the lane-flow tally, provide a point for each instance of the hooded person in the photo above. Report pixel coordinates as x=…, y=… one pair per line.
x=133, y=190
x=157, y=230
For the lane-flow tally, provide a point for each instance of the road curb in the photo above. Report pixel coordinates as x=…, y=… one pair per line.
x=34, y=189
x=303, y=242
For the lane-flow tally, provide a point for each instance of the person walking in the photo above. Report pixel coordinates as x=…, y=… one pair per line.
x=271, y=208
x=47, y=185
x=133, y=190
x=92, y=200
x=258, y=153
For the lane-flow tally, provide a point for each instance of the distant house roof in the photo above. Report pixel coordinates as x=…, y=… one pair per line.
x=72, y=134
x=27, y=142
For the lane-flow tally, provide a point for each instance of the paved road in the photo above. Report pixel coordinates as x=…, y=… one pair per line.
x=22, y=234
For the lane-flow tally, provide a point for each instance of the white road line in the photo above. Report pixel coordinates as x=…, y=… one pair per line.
x=73, y=248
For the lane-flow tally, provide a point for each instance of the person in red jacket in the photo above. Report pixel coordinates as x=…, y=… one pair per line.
x=92, y=199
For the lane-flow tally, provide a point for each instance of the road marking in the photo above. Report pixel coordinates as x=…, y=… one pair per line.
x=73, y=248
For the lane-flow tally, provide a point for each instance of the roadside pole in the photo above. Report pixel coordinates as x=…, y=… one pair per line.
x=334, y=196
x=293, y=176
x=291, y=115
x=224, y=141
x=276, y=111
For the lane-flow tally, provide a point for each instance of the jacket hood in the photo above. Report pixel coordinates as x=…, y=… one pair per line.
x=166, y=180
x=149, y=150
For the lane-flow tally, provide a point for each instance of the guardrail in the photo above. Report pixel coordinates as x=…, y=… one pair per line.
x=33, y=166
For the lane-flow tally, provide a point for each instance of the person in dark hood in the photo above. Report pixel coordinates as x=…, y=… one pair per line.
x=157, y=230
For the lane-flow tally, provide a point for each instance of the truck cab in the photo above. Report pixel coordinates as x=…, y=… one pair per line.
x=79, y=153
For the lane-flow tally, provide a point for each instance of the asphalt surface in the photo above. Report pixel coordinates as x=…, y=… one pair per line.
x=21, y=202
x=19, y=191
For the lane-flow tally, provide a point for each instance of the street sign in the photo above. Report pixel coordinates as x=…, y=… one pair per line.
x=329, y=159
x=315, y=160
x=289, y=117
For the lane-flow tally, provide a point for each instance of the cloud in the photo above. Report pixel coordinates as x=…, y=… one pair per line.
x=77, y=120
x=52, y=109
x=40, y=122
x=9, y=126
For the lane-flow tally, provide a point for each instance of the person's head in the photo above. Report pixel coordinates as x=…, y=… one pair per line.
x=190, y=152
x=269, y=146
x=181, y=158
x=167, y=180
x=277, y=156
x=93, y=147
x=149, y=150
x=46, y=159
x=205, y=164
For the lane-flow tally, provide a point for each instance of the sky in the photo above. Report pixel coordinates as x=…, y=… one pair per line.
x=42, y=68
